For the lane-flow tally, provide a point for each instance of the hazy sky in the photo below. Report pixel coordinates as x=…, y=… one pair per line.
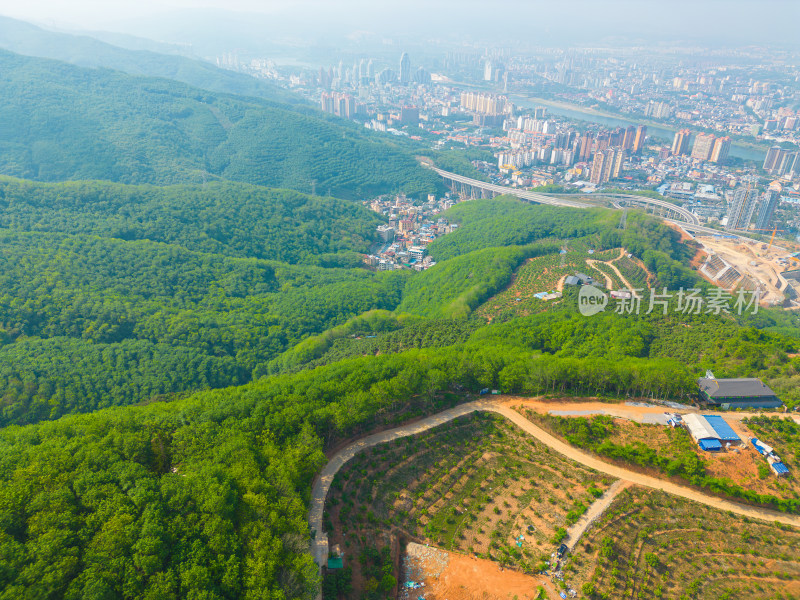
x=740, y=21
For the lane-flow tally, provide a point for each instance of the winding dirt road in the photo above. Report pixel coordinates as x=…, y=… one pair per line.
x=593, y=263
x=618, y=272
x=598, y=507
x=319, y=547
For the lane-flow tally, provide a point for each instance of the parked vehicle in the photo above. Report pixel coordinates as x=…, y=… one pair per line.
x=562, y=551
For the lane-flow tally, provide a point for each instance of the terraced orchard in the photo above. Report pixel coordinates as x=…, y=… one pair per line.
x=633, y=272
x=605, y=273
x=652, y=545
x=541, y=274
x=476, y=485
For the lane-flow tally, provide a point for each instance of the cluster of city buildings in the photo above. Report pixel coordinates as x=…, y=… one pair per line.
x=728, y=92
x=706, y=146
x=714, y=107
x=410, y=227
x=782, y=162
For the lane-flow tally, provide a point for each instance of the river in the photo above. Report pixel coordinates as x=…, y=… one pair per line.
x=737, y=150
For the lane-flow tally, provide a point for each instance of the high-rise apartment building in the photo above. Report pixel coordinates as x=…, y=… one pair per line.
x=659, y=110
x=780, y=161
x=587, y=143
x=766, y=208
x=606, y=165
x=741, y=208
x=790, y=165
x=630, y=136
x=616, y=137
x=338, y=103
x=409, y=115
x=405, y=68
x=487, y=71
x=680, y=143
x=598, y=166
x=722, y=146
x=773, y=158
x=487, y=104
x=703, y=146
x=638, y=141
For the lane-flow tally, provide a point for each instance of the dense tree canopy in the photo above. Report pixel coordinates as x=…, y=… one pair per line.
x=26, y=38
x=222, y=218
x=133, y=303
x=205, y=497
x=65, y=122
x=223, y=335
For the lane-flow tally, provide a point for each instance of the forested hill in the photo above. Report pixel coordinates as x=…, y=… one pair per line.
x=30, y=40
x=202, y=493
x=63, y=122
x=227, y=218
x=88, y=322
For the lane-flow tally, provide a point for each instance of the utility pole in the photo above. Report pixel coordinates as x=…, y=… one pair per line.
x=623, y=220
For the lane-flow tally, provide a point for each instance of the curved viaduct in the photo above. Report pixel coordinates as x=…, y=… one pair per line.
x=483, y=189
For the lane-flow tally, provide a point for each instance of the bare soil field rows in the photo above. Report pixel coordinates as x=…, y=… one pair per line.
x=480, y=486
x=477, y=485
x=649, y=544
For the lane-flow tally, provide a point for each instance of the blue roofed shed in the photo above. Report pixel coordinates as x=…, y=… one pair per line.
x=710, y=445
x=335, y=562
x=722, y=429
x=780, y=469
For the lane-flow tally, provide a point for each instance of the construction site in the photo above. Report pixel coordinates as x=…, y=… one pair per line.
x=733, y=263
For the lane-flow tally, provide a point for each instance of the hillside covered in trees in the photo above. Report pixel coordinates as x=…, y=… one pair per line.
x=227, y=218
x=84, y=51
x=131, y=305
x=180, y=345
x=63, y=122
x=205, y=494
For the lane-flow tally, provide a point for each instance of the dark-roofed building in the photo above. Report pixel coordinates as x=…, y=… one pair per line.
x=585, y=279
x=746, y=392
x=579, y=279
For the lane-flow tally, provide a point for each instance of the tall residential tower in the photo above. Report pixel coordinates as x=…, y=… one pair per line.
x=405, y=68
x=740, y=211
x=769, y=201
x=680, y=144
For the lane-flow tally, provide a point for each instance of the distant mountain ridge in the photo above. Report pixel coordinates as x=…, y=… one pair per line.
x=63, y=122
x=86, y=51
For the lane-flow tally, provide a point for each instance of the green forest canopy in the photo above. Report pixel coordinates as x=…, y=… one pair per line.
x=228, y=218
x=62, y=122
x=130, y=304
x=25, y=38
x=119, y=292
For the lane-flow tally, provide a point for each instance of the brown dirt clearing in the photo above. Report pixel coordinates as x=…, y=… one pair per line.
x=451, y=576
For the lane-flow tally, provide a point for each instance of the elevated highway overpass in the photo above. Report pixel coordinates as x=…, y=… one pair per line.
x=482, y=189
x=669, y=212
